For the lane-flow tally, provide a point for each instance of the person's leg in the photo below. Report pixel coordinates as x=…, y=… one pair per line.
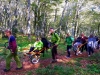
x=86, y=46
x=89, y=51
x=55, y=50
x=92, y=50
x=68, y=51
x=8, y=60
x=75, y=49
x=31, y=49
x=53, y=53
x=18, y=62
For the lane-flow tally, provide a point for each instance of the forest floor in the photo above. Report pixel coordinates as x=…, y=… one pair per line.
x=28, y=66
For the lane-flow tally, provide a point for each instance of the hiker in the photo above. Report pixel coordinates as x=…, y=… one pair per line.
x=84, y=42
x=96, y=46
x=55, y=39
x=69, y=41
x=77, y=45
x=38, y=45
x=90, y=45
x=13, y=52
x=99, y=43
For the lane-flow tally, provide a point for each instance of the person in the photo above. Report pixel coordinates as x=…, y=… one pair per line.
x=84, y=42
x=38, y=45
x=55, y=39
x=77, y=45
x=90, y=45
x=99, y=43
x=69, y=41
x=96, y=42
x=13, y=52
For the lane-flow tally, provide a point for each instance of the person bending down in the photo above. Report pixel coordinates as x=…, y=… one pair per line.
x=77, y=45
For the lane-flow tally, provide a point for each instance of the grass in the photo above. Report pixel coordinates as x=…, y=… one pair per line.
x=93, y=68
x=55, y=70
x=78, y=59
x=46, y=54
x=29, y=73
x=95, y=57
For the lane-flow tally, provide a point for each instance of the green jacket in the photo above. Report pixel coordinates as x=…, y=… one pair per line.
x=38, y=45
x=69, y=40
x=55, y=38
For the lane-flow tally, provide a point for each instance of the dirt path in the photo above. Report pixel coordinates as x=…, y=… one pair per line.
x=27, y=65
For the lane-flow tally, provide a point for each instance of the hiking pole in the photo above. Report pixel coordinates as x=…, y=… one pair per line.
x=82, y=45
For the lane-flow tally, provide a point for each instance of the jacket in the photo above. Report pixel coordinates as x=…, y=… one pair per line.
x=55, y=39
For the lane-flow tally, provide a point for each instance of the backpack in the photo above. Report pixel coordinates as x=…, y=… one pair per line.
x=71, y=39
x=46, y=43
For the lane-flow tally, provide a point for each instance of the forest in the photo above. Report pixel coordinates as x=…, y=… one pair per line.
x=30, y=19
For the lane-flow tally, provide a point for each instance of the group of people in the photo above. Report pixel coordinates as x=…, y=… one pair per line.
x=77, y=44
x=81, y=43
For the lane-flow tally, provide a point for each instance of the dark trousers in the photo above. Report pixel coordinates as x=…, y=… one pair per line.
x=68, y=50
x=90, y=50
x=31, y=49
x=84, y=47
x=54, y=52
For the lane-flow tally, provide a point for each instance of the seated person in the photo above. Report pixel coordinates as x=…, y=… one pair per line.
x=38, y=45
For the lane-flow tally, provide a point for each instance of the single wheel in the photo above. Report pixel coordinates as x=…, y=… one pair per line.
x=35, y=59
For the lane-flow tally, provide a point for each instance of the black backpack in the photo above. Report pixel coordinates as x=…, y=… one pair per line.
x=46, y=43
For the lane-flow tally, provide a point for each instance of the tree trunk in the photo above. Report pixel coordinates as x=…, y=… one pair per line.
x=60, y=23
x=99, y=29
x=28, y=20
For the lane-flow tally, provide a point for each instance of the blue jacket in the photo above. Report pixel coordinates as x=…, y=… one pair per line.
x=90, y=42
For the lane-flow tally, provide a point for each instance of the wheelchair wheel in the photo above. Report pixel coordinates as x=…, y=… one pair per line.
x=35, y=59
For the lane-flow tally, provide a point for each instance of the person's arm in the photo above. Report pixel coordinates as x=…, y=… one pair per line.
x=58, y=39
x=12, y=44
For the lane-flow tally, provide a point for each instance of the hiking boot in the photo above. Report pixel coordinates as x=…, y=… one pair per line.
x=80, y=52
x=89, y=55
x=67, y=56
x=5, y=70
x=19, y=68
x=76, y=53
x=54, y=61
